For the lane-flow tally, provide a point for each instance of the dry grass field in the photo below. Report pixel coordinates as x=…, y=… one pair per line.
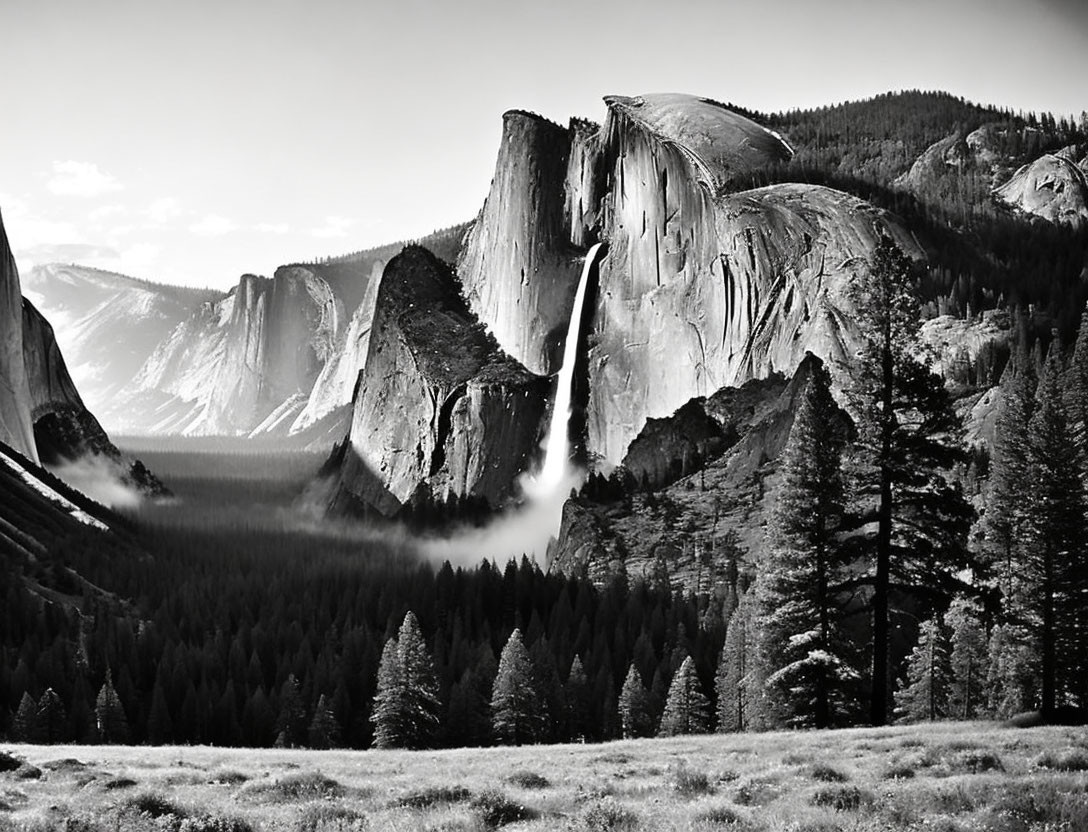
x=940, y=778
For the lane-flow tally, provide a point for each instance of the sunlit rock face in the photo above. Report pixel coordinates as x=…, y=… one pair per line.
x=952, y=153
x=1052, y=187
x=253, y=355
x=109, y=325
x=15, y=422
x=519, y=268
x=332, y=392
x=703, y=289
x=439, y=407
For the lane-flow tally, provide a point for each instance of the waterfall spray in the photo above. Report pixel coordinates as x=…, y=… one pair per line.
x=557, y=446
x=529, y=528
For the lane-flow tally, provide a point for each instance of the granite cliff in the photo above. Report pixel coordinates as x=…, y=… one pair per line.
x=440, y=411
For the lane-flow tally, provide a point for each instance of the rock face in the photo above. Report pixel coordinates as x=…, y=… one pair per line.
x=951, y=153
x=725, y=503
x=1052, y=187
x=332, y=393
x=89, y=308
x=39, y=399
x=15, y=422
x=739, y=288
x=440, y=410
x=519, y=268
x=252, y=355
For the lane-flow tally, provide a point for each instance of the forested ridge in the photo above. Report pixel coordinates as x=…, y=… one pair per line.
x=983, y=256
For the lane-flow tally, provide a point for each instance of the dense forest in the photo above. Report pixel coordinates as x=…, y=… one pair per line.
x=983, y=256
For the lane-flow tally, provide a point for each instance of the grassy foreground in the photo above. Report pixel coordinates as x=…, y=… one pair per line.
x=939, y=778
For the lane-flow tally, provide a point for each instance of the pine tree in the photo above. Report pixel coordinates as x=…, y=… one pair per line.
x=291, y=723
x=1008, y=497
x=739, y=681
x=807, y=657
x=516, y=716
x=50, y=719
x=109, y=714
x=1053, y=581
x=634, y=707
x=687, y=710
x=576, y=698
x=924, y=693
x=25, y=724
x=160, y=728
x=969, y=662
x=407, y=709
x=387, y=715
x=420, y=702
x=324, y=729
x=909, y=439
x=1011, y=677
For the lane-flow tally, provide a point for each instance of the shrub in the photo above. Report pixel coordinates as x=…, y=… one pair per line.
x=330, y=817
x=840, y=798
x=495, y=809
x=899, y=771
x=307, y=785
x=1076, y=760
x=827, y=774
x=528, y=780
x=9, y=762
x=229, y=778
x=609, y=816
x=690, y=783
x=723, y=816
x=425, y=798
x=115, y=783
x=154, y=805
x=979, y=762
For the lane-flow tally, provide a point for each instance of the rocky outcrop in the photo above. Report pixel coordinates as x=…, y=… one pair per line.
x=15, y=422
x=332, y=392
x=1052, y=188
x=704, y=522
x=440, y=411
x=519, y=268
x=716, y=292
x=951, y=154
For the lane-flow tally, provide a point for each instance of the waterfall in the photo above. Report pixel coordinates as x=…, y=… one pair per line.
x=557, y=446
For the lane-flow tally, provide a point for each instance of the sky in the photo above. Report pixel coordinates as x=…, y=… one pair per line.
x=191, y=142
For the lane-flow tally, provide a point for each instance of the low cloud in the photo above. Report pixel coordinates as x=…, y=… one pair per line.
x=100, y=479
x=82, y=179
x=213, y=225
x=107, y=211
x=333, y=227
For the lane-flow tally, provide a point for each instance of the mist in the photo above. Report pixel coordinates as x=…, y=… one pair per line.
x=100, y=479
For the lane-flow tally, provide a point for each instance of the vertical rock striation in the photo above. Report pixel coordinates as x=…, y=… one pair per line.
x=16, y=427
x=519, y=268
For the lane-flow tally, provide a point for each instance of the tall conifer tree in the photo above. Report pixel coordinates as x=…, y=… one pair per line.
x=516, y=708
x=806, y=656
x=909, y=439
x=687, y=710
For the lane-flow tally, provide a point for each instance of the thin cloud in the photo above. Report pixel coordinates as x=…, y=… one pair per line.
x=272, y=227
x=82, y=179
x=213, y=225
x=333, y=227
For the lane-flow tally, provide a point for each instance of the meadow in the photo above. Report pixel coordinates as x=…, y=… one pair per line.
x=946, y=777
